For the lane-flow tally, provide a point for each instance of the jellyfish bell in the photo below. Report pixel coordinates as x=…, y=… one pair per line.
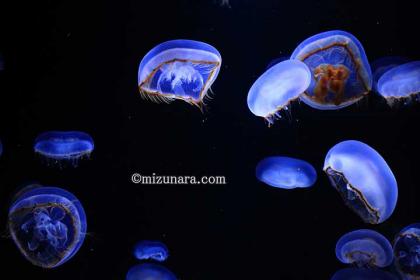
x=148, y=271
x=341, y=74
x=277, y=87
x=154, y=250
x=179, y=69
x=381, y=65
x=364, y=248
x=363, y=179
x=407, y=252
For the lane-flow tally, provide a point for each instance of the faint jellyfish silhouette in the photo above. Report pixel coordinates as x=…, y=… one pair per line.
x=277, y=87
x=407, y=251
x=286, y=172
x=341, y=74
x=148, y=271
x=362, y=274
x=48, y=225
x=179, y=69
x=154, y=250
x=364, y=248
x=61, y=147
x=382, y=65
x=363, y=179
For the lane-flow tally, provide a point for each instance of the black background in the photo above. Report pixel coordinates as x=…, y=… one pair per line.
x=73, y=66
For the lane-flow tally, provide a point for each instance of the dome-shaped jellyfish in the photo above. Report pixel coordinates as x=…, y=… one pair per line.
x=286, y=172
x=363, y=179
x=154, y=250
x=381, y=65
x=362, y=274
x=277, y=87
x=179, y=69
x=400, y=83
x=148, y=271
x=59, y=147
x=341, y=73
x=48, y=225
x=407, y=251
x=364, y=248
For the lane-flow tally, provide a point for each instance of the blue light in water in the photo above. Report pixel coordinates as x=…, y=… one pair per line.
x=155, y=250
x=149, y=271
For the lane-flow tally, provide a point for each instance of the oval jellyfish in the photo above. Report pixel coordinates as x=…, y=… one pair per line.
x=48, y=225
x=407, y=251
x=364, y=248
x=401, y=82
x=286, y=173
x=363, y=179
x=341, y=73
x=150, y=272
x=179, y=69
x=277, y=87
x=382, y=65
x=362, y=274
x=64, y=146
x=151, y=250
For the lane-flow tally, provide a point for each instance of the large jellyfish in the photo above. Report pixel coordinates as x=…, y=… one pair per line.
x=364, y=248
x=179, y=69
x=277, y=87
x=381, y=65
x=148, y=271
x=407, y=251
x=363, y=179
x=48, y=225
x=154, y=250
x=341, y=73
x=286, y=172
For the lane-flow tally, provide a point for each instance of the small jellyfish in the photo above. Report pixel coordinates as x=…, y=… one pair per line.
x=363, y=179
x=179, y=69
x=286, y=172
x=149, y=271
x=48, y=225
x=154, y=250
x=362, y=274
x=341, y=73
x=277, y=87
x=407, y=251
x=401, y=83
x=364, y=248
x=64, y=146
x=382, y=65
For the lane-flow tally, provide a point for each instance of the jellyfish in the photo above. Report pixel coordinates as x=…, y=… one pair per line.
x=154, y=250
x=64, y=146
x=363, y=179
x=148, y=271
x=407, y=251
x=400, y=83
x=341, y=74
x=179, y=69
x=47, y=224
x=286, y=172
x=382, y=65
x=364, y=248
x=277, y=87
x=362, y=274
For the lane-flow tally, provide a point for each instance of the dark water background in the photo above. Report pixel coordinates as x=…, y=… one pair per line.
x=73, y=66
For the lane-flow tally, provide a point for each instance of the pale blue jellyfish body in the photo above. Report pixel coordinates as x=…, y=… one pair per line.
x=286, y=172
x=407, y=251
x=362, y=274
x=363, y=248
x=179, y=69
x=48, y=225
x=154, y=250
x=341, y=73
x=277, y=87
x=148, y=271
x=384, y=64
x=400, y=82
x=363, y=179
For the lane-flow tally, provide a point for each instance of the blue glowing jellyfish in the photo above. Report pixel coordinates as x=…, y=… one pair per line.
x=364, y=248
x=400, y=83
x=407, y=251
x=277, y=87
x=341, y=73
x=362, y=274
x=363, y=179
x=384, y=64
x=48, y=225
x=154, y=250
x=179, y=69
x=286, y=172
x=149, y=271
x=64, y=146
